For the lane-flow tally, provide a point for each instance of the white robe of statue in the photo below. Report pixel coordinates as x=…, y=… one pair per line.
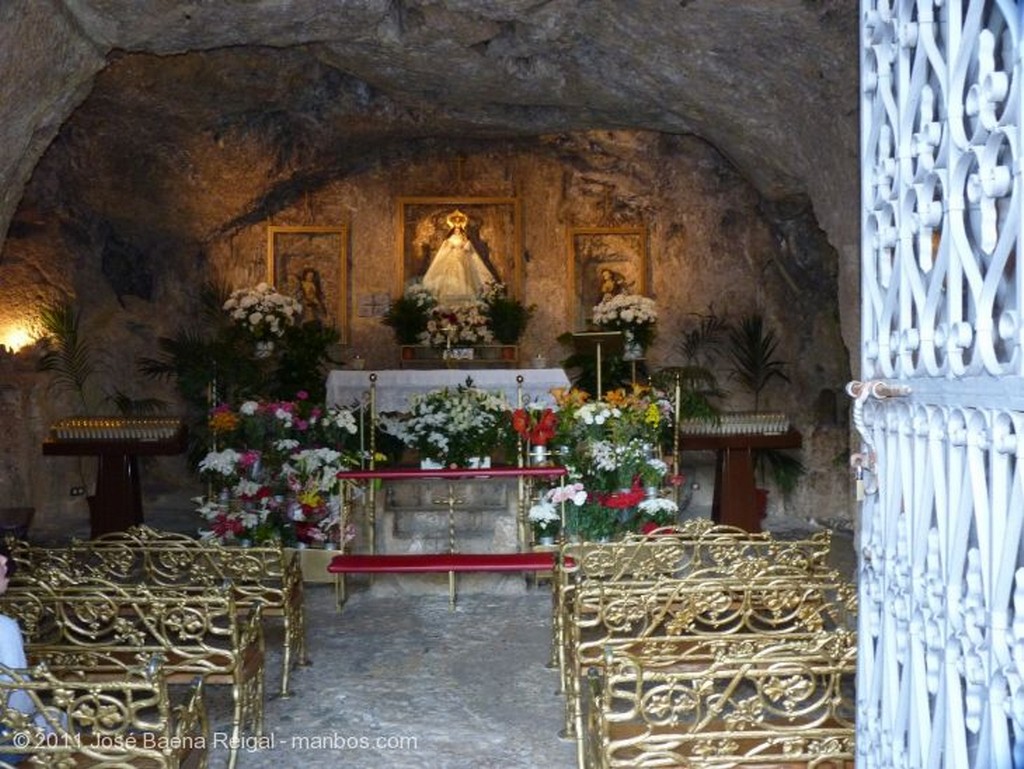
x=457, y=273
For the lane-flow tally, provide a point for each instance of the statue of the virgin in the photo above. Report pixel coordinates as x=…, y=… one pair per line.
x=457, y=272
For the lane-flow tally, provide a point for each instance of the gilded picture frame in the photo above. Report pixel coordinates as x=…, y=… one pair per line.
x=602, y=260
x=492, y=224
x=311, y=264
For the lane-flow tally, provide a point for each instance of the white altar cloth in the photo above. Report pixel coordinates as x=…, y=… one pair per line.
x=395, y=386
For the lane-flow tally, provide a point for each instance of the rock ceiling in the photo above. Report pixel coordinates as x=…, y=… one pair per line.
x=113, y=101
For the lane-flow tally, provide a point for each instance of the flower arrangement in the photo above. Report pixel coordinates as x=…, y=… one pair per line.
x=653, y=472
x=536, y=426
x=418, y=318
x=506, y=316
x=262, y=311
x=458, y=326
x=451, y=425
x=544, y=518
x=276, y=479
x=612, y=460
x=409, y=314
x=633, y=314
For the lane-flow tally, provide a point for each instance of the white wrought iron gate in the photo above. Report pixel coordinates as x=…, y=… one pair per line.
x=941, y=403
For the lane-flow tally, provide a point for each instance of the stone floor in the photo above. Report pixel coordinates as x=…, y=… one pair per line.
x=397, y=680
x=404, y=682
x=401, y=681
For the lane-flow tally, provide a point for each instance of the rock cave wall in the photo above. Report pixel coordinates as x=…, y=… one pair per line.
x=710, y=242
x=145, y=145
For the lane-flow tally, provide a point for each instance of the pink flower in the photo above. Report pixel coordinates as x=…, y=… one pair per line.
x=249, y=458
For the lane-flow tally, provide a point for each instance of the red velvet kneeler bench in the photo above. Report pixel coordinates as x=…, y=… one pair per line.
x=440, y=563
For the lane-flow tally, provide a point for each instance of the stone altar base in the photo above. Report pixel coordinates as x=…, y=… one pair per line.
x=383, y=585
x=413, y=517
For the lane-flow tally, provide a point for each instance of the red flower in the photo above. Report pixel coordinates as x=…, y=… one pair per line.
x=223, y=526
x=308, y=533
x=621, y=500
x=538, y=430
x=521, y=422
x=261, y=493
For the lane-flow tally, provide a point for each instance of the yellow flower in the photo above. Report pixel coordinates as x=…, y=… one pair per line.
x=616, y=398
x=652, y=416
x=310, y=499
x=569, y=399
x=223, y=421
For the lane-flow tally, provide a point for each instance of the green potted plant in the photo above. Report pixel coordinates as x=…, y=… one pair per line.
x=753, y=352
x=701, y=341
x=506, y=315
x=70, y=360
x=409, y=314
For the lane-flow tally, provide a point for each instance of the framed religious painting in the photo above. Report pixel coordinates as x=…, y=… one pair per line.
x=457, y=245
x=602, y=261
x=311, y=264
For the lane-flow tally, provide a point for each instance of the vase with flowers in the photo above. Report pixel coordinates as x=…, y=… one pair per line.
x=463, y=325
x=632, y=314
x=537, y=426
x=545, y=520
x=451, y=425
x=408, y=315
x=264, y=314
x=276, y=477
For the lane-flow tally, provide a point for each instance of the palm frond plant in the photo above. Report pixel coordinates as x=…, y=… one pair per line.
x=71, y=361
x=68, y=357
x=752, y=351
x=701, y=340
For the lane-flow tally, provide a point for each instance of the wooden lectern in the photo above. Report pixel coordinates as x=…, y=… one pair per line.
x=117, y=442
x=734, y=501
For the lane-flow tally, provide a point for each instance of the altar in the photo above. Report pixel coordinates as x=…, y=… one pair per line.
x=395, y=387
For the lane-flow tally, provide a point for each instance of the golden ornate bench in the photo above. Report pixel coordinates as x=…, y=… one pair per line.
x=768, y=702
x=266, y=576
x=128, y=720
x=102, y=628
x=671, y=552
x=748, y=600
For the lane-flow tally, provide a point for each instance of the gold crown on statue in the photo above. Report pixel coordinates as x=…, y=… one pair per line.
x=457, y=220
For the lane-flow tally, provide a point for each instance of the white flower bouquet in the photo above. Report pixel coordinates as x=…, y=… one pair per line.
x=451, y=425
x=545, y=514
x=633, y=314
x=460, y=326
x=262, y=311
